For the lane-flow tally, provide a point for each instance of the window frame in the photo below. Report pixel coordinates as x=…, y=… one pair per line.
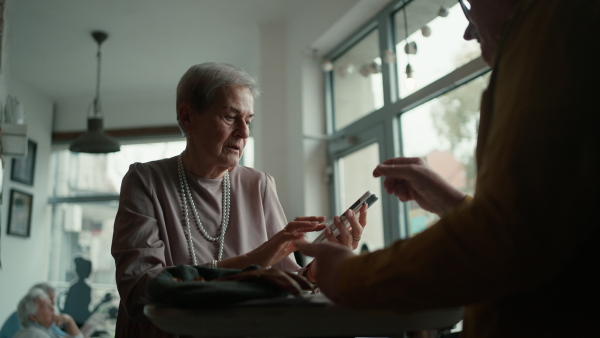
x=395, y=213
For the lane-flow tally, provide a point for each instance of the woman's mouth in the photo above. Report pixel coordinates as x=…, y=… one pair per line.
x=233, y=147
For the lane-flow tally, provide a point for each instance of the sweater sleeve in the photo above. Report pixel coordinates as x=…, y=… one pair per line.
x=137, y=248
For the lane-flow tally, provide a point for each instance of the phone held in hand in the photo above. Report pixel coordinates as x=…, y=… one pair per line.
x=367, y=198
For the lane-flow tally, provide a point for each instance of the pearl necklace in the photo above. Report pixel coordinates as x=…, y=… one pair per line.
x=187, y=198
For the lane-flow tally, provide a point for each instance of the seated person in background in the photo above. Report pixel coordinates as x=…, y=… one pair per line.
x=521, y=254
x=12, y=325
x=36, y=315
x=201, y=207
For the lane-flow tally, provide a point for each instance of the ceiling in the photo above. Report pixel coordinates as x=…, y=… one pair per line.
x=150, y=42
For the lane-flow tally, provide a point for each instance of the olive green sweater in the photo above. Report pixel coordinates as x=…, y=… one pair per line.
x=522, y=255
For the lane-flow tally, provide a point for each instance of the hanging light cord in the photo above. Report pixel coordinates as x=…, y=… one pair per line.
x=97, y=105
x=406, y=33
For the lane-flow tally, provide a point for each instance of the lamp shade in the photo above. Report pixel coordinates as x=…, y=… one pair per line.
x=95, y=140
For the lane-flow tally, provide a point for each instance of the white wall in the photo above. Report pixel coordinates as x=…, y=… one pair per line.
x=24, y=260
x=293, y=106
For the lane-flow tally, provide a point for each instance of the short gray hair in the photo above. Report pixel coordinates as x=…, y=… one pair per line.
x=28, y=305
x=200, y=84
x=46, y=287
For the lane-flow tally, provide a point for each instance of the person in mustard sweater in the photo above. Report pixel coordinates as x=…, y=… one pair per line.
x=520, y=254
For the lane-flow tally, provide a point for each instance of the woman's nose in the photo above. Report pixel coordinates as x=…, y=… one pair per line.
x=471, y=33
x=243, y=130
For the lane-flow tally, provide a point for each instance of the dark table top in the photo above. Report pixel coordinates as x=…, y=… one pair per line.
x=310, y=316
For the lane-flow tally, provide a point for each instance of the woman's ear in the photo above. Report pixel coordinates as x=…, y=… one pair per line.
x=184, y=113
x=33, y=318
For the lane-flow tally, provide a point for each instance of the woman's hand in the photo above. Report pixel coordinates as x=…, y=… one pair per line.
x=411, y=179
x=66, y=321
x=327, y=263
x=283, y=243
x=349, y=236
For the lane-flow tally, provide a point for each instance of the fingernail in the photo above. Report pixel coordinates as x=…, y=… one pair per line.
x=338, y=219
x=351, y=213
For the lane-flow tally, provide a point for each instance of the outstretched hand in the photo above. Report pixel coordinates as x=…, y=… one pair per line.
x=327, y=264
x=283, y=244
x=411, y=179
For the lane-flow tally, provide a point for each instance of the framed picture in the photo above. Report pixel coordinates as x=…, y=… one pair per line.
x=23, y=169
x=19, y=213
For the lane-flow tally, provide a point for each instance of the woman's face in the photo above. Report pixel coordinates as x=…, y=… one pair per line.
x=45, y=313
x=489, y=18
x=217, y=136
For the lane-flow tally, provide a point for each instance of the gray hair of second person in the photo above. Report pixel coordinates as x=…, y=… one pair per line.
x=29, y=305
x=200, y=85
x=46, y=287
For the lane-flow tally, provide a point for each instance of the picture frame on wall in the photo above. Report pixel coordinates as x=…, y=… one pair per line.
x=23, y=169
x=19, y=213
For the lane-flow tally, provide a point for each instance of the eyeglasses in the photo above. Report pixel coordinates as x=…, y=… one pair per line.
x=471, y=30
x=465, y=9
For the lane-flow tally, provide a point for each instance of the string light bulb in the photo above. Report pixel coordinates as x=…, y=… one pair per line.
x=410, y=80
x=443, y=12
x=426, y=31
x=327, y=65
x=409, y=48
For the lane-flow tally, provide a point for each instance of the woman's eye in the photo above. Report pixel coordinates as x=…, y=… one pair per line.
x=248, y=123
x=230, y=117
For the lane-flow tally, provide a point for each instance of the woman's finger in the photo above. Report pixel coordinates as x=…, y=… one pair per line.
x=319, y=219
x=391, y=184
x=330, y=237
x=345, y=237
x=304, y=226
x=356, y=230
x=363, y=215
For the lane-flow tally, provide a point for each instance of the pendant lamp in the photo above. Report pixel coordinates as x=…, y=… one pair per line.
x=95, y=140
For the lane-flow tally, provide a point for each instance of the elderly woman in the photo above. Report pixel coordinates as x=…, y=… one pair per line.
x=12, y=325
x=36, y=315
x=201, y=207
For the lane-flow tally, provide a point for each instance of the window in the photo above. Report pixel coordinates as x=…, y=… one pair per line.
x=358, y=88
x=435, y=117
x=83, y=205
x=443, y=131
x=440, y=47
x=355, y=170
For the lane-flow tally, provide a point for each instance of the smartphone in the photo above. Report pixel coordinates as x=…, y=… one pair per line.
x=367, y=198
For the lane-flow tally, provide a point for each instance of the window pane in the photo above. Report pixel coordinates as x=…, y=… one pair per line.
x=356, y=171
x=357, y=83
x=438, y=54
x=81, y=174
x=84, y=230
x=248, y=155
x=444, y=132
